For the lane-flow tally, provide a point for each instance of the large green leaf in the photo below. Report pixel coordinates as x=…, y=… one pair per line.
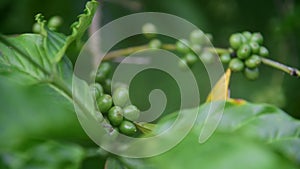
x=26, y=54
x=35, y=112
x=47, y=155
x=249, y=136
x=37, y=56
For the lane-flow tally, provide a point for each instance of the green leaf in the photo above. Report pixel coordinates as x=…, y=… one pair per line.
x=34, y=112
x=265, y=122
x=78, y=28
x=113, y=163
x=249, y=136
x=37, y=56
x=25, y=54
x=47, y=155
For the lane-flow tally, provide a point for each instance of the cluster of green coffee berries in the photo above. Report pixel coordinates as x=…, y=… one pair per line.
x=114, y=107
x=189, y=49
x=193, y=48
x=247, y=50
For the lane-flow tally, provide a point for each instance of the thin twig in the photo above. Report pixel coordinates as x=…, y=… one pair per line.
x=290, y=70
x=127, y=51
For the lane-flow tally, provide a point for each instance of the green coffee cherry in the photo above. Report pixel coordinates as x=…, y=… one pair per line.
x=104, y=103
x=119, y=85
x=207, y=57
x=107, y=85
x=105, y=67
x=36, y=28
x=251, y=74
x=208, y=38
x=103, y=71
x=155, y=44
x=253, y=61
x=247, y=35
x=244, y=51
x=121, y=96
x=127, y=128
x=182, y=45
x=263, y=51
x=225, y=58
x=196, y=48
x=96, y=89
x=149, y=30
x=254, y=47
x=131, y=112
x=100, y=77
x=55, y=22
x=191, y=58
x=244, y=38
x=197, y=37
x=183, y=65
x=235, y=41
x=115, y=115
x=236, y=65
x=258, y=38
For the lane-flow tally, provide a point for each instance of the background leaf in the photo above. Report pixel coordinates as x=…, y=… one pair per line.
x=47, y=155
x=113, y=163
x=250, y=136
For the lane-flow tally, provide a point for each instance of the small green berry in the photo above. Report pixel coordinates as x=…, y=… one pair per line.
x=55, y=22
x=251, y=74
x=182, y=64
x=236, y=65
x=120, y=96
x=36, y=28
x=225, y=58
x=103, y=71
x=244, y=38
x=191, y=58
x=182, y=45
x=258, y=38
x=244, y=51
x=119, y=85
x=105, y=67
x=235, y=41
x=208, y=38
x=253, y=61
x=115, y=115
x=107, y=85
x=207, y=57
x=196, y=48
x=127, y=128
x=155, y=44
x=131, y=112
x=104, y=103
x=263, y=51
x=247, y=35
x=254, y=47
x=100, y=77
x=197, y=37
x=149, y=30
x=96, y=90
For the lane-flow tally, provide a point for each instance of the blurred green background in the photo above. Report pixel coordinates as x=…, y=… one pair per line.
x=25, y=112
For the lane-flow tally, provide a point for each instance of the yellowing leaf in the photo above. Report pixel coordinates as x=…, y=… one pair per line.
x=220, y=90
